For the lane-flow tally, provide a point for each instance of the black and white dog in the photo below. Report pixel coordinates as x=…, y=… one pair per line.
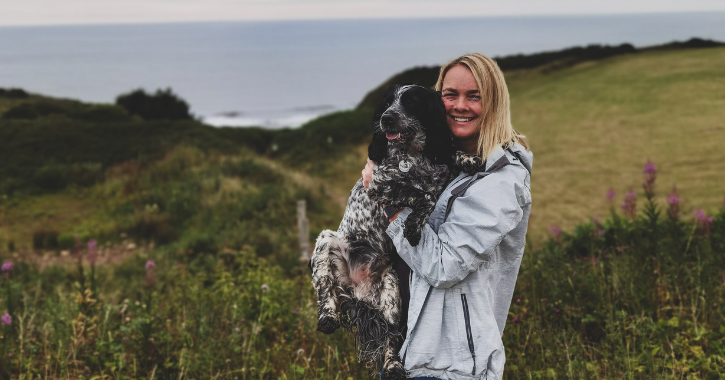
x=353, y=267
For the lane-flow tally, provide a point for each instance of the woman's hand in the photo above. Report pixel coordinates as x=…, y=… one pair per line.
x=367, y=173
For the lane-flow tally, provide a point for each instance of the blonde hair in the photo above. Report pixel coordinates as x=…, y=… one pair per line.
x=495, y=127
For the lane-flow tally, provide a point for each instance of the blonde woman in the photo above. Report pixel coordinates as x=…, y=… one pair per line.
x=464, y=268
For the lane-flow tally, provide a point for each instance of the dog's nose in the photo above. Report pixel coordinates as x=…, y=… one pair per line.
x=387, y=120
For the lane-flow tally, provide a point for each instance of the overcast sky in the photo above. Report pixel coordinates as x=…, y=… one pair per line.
x=54, y=12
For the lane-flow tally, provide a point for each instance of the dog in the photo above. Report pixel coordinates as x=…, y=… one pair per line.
x=356, y=270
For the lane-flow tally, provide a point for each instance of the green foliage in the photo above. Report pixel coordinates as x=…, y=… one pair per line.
x=637, y=299
x=162, y=105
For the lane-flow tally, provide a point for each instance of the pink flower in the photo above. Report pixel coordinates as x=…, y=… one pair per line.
x=556, y=311
x=673, y=200
x=516, y=319
x=600, y=232
x=611, y=195
x=92, y=252
x=703, y=221
x=629, y=206
x=650, y=174
x=150, y=273
x=6, y=319
x=7, y=267
x=265, y=288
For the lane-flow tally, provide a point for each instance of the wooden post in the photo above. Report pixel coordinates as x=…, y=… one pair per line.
x=303, y=229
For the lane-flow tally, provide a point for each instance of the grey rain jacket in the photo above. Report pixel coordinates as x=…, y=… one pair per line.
x=464, y=270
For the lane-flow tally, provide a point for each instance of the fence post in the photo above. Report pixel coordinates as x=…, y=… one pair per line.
x=303, y=229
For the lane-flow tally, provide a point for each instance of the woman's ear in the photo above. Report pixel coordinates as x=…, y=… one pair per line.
x=438, y=137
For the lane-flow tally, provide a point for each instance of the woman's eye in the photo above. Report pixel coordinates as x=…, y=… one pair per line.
x=474, y=97
x=449, y=96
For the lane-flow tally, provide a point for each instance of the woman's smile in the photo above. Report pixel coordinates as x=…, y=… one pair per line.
x=462, y=100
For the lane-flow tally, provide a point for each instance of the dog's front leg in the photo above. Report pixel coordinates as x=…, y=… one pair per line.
x=328, y=268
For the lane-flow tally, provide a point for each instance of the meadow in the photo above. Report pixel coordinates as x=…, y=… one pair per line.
x=135, y=248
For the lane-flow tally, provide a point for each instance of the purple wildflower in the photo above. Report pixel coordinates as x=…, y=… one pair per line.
x=629, y=206
x=556, y=311
x=650, y=175
x=673, y=200
x=556, y=231
x=516, y=319
x=7, y=266
x=553, y=282
x=600, y=232
x=265, y=288
x=6, y=319
x=150, y=273
x=610, y=195
x=703, y=221
x=92, y=252
x=586, y=258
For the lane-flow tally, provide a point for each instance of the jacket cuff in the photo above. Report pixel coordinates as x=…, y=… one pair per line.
x=396, y=227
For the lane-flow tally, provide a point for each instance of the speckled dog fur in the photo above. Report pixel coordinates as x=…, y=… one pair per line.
x=351, y=267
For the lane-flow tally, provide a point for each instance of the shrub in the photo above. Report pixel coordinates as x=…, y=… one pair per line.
x=13, y=93
x=45, y=239
x=163, y=105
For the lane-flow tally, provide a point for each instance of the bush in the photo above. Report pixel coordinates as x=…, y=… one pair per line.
x=163, y=105
x=13, y=93
x=45, y=239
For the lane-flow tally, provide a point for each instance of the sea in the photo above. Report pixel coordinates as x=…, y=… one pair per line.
x=277, y=74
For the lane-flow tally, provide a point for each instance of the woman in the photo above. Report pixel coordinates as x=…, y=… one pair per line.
x=465, y=266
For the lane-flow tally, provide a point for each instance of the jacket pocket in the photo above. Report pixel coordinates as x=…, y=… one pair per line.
x=469, y=332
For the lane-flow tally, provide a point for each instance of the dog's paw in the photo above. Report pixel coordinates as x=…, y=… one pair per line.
x=412, y=234
x=394, y=371
x=327, y=324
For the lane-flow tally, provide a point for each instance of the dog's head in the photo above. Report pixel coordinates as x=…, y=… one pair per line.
x=412, y=117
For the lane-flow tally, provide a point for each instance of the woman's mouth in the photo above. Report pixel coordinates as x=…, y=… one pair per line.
x=463, y=119
x=392, y=136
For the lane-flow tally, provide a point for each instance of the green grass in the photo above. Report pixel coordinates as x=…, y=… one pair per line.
x=593, y=126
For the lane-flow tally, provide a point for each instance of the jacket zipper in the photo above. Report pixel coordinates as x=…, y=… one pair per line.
x=469, y=335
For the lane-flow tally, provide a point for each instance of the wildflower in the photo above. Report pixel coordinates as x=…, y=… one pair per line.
x=556, y=231
x=300, y=352
x=600, y=232
x=92, y=252
x=150, y=273
x=673, y=200
x=556, y=311
x=553, y=282
x=242, y=321
x=610, y=195
x=629, y=206
x=265, y=288
x=237, y=330
x=703, y=221
x=586, y=258
x=650, y=174
x=6, y=319
x=516, y=319
x=7, y=267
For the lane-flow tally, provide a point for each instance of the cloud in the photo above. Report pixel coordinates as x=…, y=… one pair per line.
x=45, y=12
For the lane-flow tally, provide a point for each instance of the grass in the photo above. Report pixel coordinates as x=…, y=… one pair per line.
x=592, y=126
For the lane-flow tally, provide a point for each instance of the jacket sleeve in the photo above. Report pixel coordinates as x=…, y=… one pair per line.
x=477, y=223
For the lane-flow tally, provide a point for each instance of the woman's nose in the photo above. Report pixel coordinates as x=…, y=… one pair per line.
x=461, y=104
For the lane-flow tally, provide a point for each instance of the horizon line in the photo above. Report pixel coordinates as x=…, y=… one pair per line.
x=352, y=18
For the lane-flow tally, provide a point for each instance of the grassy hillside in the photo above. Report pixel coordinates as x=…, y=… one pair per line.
x=593, y=126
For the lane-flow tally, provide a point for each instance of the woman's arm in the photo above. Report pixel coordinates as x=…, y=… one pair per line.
x=478, y=222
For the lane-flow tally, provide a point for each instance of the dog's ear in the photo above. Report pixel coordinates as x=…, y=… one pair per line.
x=378, y=148
x=438, y=137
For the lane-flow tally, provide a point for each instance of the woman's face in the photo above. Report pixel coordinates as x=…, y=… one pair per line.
x=462, y=100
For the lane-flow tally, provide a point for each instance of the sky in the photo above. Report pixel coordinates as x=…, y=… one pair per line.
x=65, y=12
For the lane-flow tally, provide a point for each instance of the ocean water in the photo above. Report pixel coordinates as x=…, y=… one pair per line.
x=282, y=74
